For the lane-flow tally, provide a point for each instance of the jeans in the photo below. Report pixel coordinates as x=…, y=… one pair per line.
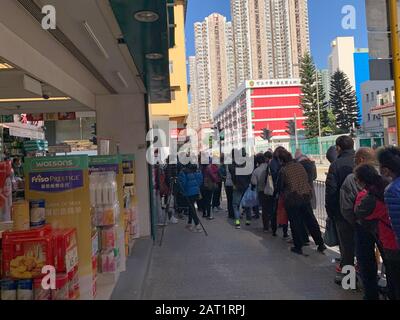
x=365, y=252
x=300, y=215
x=216, y=197
x=346, y=241
x=236, y=198
x=192, y=210
x=206, y=202
x=229, y=198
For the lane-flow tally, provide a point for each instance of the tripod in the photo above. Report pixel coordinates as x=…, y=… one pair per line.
x=173, y=184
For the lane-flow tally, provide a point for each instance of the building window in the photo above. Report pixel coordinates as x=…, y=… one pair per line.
x=173, y=95
x=171, y=67
x=369, y=117
x=367, y=97
x=386, y=89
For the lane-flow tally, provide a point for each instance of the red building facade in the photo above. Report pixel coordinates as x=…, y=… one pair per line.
x=259, y=104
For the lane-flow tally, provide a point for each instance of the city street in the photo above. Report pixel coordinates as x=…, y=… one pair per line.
x=234, y=264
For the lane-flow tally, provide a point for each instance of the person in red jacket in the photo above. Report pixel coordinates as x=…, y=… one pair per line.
x=372, y=213
x=210, y=184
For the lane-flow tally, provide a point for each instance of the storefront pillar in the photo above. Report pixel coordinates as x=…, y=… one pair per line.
x=122, y=120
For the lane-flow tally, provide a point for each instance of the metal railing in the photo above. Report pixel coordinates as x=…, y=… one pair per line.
x=320, y=211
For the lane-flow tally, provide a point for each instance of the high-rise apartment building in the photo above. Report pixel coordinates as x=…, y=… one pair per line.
x=230, y=58
x=213, y=67
x=270, y=36
x=193, y=118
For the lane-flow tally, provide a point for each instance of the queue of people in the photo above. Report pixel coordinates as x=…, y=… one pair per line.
x=362, y=199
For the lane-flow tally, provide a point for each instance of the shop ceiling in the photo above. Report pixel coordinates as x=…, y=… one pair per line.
x=22, y=93
x=112, y=44
x=148, y=30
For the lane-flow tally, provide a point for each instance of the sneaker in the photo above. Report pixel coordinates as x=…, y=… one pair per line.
x=248, y=223
x=210, y=218
x=219, y=208
x=321, y=248
x=338, y=279
x=173, y=220
x=296, y=250
x=188, y=226
x=237, y=224
x=197, y=229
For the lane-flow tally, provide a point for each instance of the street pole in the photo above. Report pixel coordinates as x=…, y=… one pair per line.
x=394, y=28
x=319, y=119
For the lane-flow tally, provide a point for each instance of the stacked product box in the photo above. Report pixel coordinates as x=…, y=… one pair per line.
x=128, y=167
x=26, y=253
x=104, y=201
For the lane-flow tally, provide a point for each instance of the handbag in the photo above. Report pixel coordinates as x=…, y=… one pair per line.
x=281, y=214
x=269, y=189
x=330, y=237
x=249, y=199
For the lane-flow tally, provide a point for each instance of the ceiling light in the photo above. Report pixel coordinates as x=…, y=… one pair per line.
x=97, y=42
x=158, y=78
x=122, y=79
x=154, y=56
x=5, y=66
x=146, y=16
x=35, y=99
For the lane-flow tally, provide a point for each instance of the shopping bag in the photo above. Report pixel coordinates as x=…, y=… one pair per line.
x=269, y=184
x=281, y=214
x=249, y=199
x=330, y=236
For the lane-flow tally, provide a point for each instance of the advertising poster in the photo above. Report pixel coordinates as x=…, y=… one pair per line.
x=63, y=184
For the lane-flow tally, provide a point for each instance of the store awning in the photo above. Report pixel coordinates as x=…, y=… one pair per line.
x=386, y=109
x=146, y=31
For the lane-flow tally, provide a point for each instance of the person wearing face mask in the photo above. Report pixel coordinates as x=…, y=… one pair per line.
x=389, y=164
x=337, y=174
x=372, y=215
x=363, y=242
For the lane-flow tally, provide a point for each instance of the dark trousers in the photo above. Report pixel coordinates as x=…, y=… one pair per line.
x=216, y=196
x=192, y=210
x=346, y=241
x=267, y=204
x=206, y=202
x=274, y=212
x=392, y=267
x=365, y=252
x=229, y=198
x=300, y=215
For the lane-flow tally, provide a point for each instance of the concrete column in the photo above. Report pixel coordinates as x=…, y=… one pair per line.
x=122, y=119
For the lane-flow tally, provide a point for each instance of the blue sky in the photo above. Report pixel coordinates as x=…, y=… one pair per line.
x=325, y=23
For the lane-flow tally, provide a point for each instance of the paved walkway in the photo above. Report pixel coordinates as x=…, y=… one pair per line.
x=237, y=264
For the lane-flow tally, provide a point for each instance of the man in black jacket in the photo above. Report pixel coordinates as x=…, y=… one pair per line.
x=338, y=172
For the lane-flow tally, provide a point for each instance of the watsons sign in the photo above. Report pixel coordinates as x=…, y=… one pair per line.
x=67, y=163
x=54, y=164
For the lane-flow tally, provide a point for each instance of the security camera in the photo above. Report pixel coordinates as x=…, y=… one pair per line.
x=46, y=94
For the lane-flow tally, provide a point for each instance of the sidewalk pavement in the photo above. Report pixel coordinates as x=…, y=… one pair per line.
x=237, y=264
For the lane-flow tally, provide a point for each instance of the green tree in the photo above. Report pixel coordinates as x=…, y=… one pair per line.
x=344, y=103
x=310, y=99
